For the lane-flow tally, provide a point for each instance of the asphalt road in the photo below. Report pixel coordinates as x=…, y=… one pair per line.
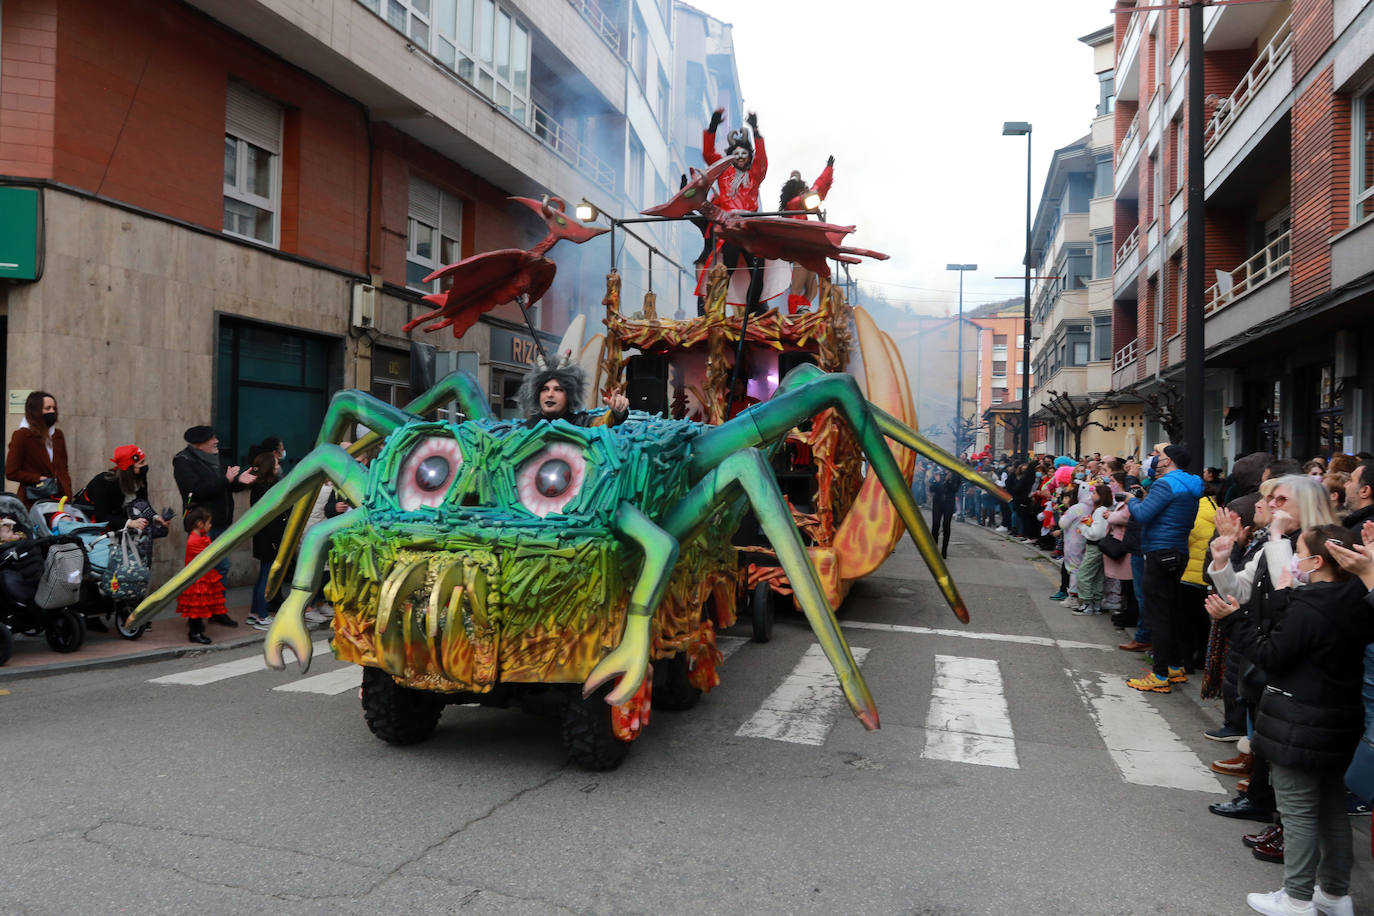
x=122, y=795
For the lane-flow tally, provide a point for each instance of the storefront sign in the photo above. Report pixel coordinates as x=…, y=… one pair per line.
x=510, y=347
x=20, y=232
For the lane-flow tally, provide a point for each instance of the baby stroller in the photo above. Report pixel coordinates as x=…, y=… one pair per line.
x=72, y=520
x=40, y=581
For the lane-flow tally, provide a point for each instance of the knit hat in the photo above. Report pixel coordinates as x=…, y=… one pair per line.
x=198, y=434
x=126, y=456
x=1179, y=456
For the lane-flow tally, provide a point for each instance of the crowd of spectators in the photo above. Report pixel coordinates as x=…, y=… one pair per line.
x=1260, y=583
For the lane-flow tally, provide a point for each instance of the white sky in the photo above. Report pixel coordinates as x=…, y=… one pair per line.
x=910, y=98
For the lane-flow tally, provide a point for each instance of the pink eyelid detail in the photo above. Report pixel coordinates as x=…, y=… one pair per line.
x=408, y=492
x=525, y=479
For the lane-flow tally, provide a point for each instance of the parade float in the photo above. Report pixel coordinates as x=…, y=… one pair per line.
x=587, y=568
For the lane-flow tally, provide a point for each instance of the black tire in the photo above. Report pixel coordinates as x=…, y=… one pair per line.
x=676, y=693
x=122, y=614
x=761, y=612
x=6, y=643
x=65, y=630
x=587, y=735
x=398, y=715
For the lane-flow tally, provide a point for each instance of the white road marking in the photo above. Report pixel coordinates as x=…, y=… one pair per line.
x=199, y=677
x=970, y=634
x=968, y=721
x=1140, y=742
x=340, y=680
x=728, y=645
x=804, y=707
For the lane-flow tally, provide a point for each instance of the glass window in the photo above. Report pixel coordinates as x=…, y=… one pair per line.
x=1106, y=93
x=1103, y=263
x=1102, y=337
x=433, y=234
x=252, y=155
x=634, y=173
x=1102, y=177
x=1363, y=136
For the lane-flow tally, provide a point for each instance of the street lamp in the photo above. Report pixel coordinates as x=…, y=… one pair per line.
x=959, y=381
x=1017, y=129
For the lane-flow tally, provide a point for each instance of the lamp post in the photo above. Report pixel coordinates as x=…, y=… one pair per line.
x=959, y=371
x=1017, y=129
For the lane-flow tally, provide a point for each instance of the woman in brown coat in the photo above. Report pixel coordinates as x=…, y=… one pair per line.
x=38, y=452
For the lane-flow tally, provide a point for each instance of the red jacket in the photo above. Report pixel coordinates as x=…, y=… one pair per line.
x=736, y=190
x=821, y=186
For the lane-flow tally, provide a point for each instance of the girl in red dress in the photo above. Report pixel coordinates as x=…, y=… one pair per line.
x=204, y=597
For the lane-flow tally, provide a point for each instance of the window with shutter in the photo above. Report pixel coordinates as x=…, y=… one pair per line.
x=433, y=234
x=252, y=165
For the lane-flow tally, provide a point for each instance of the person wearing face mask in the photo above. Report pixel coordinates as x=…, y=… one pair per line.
x=38, y=452
x=1310, y=718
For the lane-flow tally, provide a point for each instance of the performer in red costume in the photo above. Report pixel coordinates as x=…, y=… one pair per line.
x=794, y=194
x=738, y=189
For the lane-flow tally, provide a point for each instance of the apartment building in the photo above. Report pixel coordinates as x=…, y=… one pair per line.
x=1001, y=359
x=1289, y=244
x=223, y=210
x=1071, y=299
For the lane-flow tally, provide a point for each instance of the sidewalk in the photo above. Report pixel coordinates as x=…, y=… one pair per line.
x=165, y=638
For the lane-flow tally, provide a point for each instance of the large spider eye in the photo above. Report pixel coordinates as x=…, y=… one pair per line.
x=551, y=479
x=428, y=472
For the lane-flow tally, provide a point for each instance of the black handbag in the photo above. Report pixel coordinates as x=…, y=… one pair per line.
x=46, y=490
x=1112, y=548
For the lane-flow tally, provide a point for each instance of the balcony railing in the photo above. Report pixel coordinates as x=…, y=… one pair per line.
x=1128, y=247
x=572, y=150
x=1125, y=356
x=1268, y=263
x=602, y=24
x=1126, y=140
x=1264, y=66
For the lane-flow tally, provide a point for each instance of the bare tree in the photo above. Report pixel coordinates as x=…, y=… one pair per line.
x=1166, y=408
x=1075, y=414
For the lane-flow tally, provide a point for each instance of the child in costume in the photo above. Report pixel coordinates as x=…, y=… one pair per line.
x=1093, y=528
x=203, y=598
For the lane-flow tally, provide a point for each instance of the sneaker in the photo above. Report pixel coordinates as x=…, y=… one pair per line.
x=260, y=623
x=253, y=620
x=1059, y=596
x=313, y=616
x=1353, y=806
x=1332, y=906
x=1224, y=733
x=1149, y=682
x=1001, y=529
x=1087, y=610
x=1177, y=676
x=1242, y=808
x=1279, y=904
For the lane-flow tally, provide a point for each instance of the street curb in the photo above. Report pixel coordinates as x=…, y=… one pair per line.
x=119, y=661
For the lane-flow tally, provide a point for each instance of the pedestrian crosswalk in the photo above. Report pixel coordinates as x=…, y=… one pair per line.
x=967, y=722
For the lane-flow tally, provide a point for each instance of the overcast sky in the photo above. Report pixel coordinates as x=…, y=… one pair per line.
x=910, y=99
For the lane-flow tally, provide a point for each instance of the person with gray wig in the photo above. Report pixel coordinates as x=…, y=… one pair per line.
x=557, y=392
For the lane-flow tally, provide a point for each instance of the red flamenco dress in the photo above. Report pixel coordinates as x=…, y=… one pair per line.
x=204, y=597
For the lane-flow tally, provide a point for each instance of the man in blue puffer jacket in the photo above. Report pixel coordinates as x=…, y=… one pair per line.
x=1166, y=518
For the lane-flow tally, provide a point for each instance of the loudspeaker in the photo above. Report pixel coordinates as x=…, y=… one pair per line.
x=648, y=394
x=646, y=365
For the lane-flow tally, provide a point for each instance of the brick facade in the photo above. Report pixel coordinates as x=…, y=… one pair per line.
x=28, y=88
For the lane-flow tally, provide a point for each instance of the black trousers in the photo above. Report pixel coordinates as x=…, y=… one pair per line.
x=1163, y=611
x=941, y=511
x=730, y=256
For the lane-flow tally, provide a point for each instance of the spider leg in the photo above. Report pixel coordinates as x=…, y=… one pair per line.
x=794, y=402
x=325, y=462
x=380, y=418
x=748, y=470
x=630, y=659
x=288, y=626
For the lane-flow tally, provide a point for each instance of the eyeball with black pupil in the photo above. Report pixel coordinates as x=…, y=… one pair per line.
x=428, y=472
x=550, y=480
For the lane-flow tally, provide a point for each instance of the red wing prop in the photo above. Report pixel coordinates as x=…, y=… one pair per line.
x=560, y=227
x=481, y=283
x=693, y=194
x=803, y=242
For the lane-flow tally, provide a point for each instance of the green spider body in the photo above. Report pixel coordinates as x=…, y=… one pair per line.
x=492, y=559
x=542, y=599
